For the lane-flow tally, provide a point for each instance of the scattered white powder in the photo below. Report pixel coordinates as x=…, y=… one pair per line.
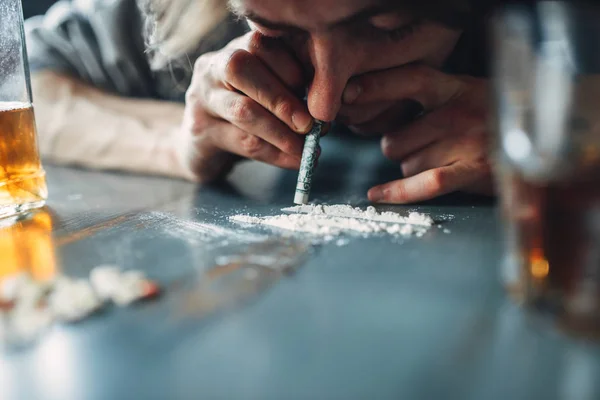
x=445, y=217
x=331, y=221
x=342, y=242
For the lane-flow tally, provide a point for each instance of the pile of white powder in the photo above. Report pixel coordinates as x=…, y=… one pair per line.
x=333, y=220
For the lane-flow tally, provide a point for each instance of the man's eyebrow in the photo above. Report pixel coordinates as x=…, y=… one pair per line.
x=368, y=13
x=276, y=26
x=279, y=26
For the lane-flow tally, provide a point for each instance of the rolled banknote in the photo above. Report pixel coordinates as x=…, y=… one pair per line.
x=307, y=165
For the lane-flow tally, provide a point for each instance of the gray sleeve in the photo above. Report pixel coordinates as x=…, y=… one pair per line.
x=98, y=41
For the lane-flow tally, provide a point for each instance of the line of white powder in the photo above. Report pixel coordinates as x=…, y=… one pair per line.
x=371, y=214
x=337, y=219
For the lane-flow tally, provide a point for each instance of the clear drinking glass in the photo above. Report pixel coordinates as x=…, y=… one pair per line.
x=22, y=178
x=547, y=156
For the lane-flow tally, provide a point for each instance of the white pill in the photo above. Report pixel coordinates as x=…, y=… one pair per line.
x=105, y=280
x=73, y=300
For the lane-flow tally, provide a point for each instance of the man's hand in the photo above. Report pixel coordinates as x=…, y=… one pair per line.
x=244, y=102
x=445, y=149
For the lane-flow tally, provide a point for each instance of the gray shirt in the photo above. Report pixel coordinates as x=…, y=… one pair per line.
x=101, y=42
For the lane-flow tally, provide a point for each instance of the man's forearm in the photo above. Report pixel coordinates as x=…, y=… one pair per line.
x=81, y=125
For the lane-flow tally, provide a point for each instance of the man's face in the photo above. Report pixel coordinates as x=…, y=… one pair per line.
x=338, y=39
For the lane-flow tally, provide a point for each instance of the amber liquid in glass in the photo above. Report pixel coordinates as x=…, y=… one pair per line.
x=555, y=250
x=22, y=178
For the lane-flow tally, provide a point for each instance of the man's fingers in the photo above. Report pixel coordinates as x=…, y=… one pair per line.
x=232, y=139
x=394, y=118
x=450, y=122
x=359, y=114
x=279, y=59
x=246, y=73
x=251, y=117
x=417, y=82
x=432, y=156
x=427, y=185
x=447, y=152
x=202, y=158
x=398, y=145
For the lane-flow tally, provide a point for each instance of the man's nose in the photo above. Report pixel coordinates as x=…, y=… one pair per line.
x=332, y=68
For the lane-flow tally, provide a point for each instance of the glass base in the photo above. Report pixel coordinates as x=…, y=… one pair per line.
x=22, y=192
x=9, y=210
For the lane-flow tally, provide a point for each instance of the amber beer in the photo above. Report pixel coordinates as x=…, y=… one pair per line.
x=22, y=179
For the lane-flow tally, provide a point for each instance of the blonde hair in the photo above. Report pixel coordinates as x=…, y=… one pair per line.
x=172, y=28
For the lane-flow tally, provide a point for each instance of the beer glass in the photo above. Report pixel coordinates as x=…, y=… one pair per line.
x=22, y=179
x=547, y=156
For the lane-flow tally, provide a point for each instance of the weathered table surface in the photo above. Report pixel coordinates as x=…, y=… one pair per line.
x=422, y=318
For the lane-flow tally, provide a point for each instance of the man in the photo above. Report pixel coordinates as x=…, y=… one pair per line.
x=109, y=96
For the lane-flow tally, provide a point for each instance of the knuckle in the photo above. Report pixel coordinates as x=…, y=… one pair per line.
x=437, y=181
x=200, y=84
x=398, y=193
x=462, y=120
x=194, y=94
x=419, y=83
x=425, y=70
x=288, y=146
x=477, y=122
x=368, y=83
x=422, y=76
x=195, y=117
x=387, y=148
x=203, y=66
x=236, y=64
x=243, y=110
x=195, y=123
x=200, y=62
x=190, y=96
x=257, y=42
x=407, y=169
x=422, y=72
x=281, y=160
x=282, y=107
x=251, y=144
x=482, y=166
x=466, y=142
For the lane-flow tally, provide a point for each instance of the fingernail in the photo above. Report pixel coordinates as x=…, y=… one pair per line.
x=302, y=122
x=351, y=93
x=375, y=194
